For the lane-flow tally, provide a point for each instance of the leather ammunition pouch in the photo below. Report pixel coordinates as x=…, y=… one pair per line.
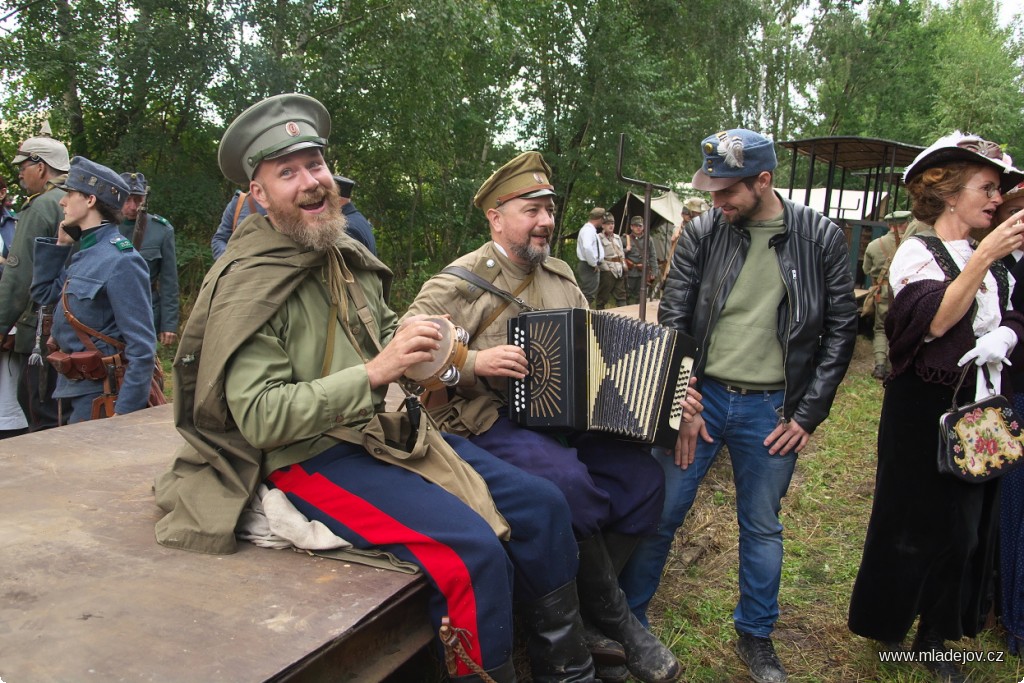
x=79, y=365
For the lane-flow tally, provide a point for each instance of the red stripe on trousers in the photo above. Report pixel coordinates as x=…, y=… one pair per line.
x=379, y=528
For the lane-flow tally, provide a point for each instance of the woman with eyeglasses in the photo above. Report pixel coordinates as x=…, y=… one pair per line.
x=930, y=546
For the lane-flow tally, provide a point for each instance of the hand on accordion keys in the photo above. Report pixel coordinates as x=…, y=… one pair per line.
x=507, y=360
x=692, y=425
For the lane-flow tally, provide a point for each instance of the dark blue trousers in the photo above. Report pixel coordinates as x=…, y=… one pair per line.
x=376, y=505
x=610, y=485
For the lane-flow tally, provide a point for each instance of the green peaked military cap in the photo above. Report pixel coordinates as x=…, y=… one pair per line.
x=271, y=128
x=897, y=217
x=526, y=176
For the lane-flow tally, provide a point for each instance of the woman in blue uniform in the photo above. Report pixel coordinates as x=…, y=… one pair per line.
x=106, y=288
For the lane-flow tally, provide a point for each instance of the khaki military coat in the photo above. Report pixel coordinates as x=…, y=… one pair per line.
x=474, y=408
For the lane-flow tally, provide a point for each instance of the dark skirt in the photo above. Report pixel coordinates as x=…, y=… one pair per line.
x=1011, y=549
x=931, y=540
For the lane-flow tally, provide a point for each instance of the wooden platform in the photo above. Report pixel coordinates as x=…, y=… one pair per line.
x=86, y=593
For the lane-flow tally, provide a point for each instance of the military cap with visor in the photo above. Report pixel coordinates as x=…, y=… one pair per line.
x=695, y=205
x=898, y=217
x=269, y=129
x=525, y=177
x=960, y=147
x=43, y=148
x=88, y=177
x=136, y=183
x=730, y=156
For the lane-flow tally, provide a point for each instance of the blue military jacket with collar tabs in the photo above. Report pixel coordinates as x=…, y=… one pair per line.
x=107, y=290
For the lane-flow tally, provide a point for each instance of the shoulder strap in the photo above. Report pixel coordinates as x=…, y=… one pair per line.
x=83, y=331
x=244, y=197
x=473, y=278
x=951, y=269
x=507, y=298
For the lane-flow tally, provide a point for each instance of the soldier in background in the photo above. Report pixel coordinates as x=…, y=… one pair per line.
x=613, y=267
x=12, y=417
x=7, y=221
x=693, y=207
x=43, y=165
x=661, y=242
x=153, y=237
x=635, y=260
x=877, y=258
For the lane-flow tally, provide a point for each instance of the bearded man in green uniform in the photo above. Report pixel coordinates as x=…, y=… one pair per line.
x=614, y=488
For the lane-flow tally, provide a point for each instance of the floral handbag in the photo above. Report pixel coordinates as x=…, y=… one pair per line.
x=981, y=440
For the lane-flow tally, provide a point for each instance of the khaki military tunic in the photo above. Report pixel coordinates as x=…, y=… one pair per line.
x=475, y=406
x=877, y=258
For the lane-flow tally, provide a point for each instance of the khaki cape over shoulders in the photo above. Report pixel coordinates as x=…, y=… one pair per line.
x=263, y=300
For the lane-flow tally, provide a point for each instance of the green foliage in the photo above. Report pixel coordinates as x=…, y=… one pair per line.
x=429, y=97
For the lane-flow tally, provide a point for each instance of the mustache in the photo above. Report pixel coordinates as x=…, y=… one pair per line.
x=313, y=196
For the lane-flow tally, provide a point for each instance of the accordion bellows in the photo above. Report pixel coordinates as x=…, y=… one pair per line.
x=600, y=371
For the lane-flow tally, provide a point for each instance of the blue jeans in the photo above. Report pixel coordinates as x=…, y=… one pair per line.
x=741, y=423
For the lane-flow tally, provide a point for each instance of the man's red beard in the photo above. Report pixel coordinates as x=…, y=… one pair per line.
x=317, y=231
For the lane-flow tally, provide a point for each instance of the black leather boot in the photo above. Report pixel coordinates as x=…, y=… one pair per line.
x=603, y=650
x=932, y=647
x=605, y=606
x=620, y=548
x=554, y=639
x=506, y=673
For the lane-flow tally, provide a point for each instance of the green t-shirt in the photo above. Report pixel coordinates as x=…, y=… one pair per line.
x=744, y=349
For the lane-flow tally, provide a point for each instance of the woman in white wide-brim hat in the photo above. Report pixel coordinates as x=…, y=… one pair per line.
x=931, y=540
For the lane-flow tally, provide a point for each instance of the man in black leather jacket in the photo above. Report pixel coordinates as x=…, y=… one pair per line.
x=764, y=286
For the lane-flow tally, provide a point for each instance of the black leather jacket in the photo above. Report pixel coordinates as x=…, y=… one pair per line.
x=817, y=318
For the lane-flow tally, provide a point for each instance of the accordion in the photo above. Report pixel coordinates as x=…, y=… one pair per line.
x=595, y=370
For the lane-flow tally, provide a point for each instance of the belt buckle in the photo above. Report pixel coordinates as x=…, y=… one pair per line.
x=737, y=390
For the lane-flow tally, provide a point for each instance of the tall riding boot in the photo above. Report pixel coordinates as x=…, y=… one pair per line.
x=555, y=638
x=506, y=673
x=605, y=606
x=620, y=548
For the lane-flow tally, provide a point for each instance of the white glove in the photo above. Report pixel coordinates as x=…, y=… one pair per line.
x=992, y=348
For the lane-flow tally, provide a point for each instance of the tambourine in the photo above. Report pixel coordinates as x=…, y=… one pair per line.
x=443, y=369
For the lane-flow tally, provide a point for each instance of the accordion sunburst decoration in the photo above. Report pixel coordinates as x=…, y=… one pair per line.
x=595, y=370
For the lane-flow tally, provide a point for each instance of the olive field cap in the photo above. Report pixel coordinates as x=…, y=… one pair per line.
x=271, y=128
x=597, y=213
x=731, y=155
x=960, y=147
x=636, y=220
x=897, y=217
x=88, y=177
x=609, y=218
x=694, y=205
x=527, y=176
x=43, y=148
x=136, y=183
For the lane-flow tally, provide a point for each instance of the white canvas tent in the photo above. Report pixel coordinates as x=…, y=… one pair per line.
x=666, y=207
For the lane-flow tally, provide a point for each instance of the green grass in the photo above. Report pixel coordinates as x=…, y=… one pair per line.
x=825, y=516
